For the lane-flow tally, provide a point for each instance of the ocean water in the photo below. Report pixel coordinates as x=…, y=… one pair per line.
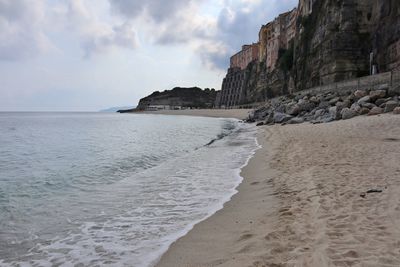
x=94, y=189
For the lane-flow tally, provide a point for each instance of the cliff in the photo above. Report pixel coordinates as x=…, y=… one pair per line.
x=333, y=41
x=192, y=97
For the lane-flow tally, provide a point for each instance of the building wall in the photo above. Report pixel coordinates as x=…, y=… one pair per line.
x=276, y=35
x=248, y=54
x=232, y=91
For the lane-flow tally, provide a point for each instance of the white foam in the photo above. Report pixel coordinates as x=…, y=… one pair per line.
x=159, y=212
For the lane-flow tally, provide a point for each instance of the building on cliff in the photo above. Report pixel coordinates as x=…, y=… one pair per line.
x=242, y=58
x=232, y=90
x=275, y=36
x=318, y=43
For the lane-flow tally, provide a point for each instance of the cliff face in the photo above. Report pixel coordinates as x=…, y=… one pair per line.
x=193, y=97
x=333, y=43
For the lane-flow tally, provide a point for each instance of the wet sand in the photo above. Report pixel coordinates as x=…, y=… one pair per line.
x=303, y=201
x=240, y=114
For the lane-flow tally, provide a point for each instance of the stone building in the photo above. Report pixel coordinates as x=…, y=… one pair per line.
x=242, y=58
x=276, y=35
x=232, y=91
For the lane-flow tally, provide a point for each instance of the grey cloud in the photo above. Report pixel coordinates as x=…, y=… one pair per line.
x=239, y=23
x=120, y=36
x=95, y=35
x=21, y=35
x=158, y=10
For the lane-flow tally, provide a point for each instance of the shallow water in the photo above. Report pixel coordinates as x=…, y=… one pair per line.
x=110, y=189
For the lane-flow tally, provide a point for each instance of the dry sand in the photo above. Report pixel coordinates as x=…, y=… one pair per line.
x=240, y=114
x=300, y=203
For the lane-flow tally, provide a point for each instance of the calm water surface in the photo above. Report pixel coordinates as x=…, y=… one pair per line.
x=90, y=189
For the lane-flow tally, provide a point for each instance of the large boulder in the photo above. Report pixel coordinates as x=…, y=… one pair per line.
x=348, y=113
x=365, y=99
x=363, y=111
x=355, y=107
x=381, y=101
x=360, y=93
x=390, y=106
x=296, y=120
x=396, y=111
x=374, y=95
x=334, y=100
x=335, y=113
x=394, y=91
x=281, y=117
x=375, y=111
x=306, y=105
x=367, y=105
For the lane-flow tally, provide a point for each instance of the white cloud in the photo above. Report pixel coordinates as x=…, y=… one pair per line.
x=21, y=29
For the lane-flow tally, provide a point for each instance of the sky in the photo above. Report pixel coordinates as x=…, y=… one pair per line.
x=86, y=55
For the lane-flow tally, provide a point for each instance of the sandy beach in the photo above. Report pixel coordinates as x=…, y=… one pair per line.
x=240, y=114
x=304, y=201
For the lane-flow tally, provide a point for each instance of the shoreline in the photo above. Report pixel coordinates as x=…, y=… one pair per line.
x=240, y=114
x=299, y=202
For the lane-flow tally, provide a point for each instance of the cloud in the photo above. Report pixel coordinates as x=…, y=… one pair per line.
x=95, y=35
x=21, y=29
x=214, y=39
x=238, y=23
x=157, y=10
x=26, y=27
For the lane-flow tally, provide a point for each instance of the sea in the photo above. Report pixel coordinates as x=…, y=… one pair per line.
x=104, y=189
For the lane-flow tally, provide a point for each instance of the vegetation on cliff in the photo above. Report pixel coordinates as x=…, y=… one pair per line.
x=185, y=97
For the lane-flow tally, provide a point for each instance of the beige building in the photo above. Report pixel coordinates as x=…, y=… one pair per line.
x=243, y=58
x=276, y=35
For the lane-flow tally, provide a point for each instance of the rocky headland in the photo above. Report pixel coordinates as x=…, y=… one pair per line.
x=180, y=97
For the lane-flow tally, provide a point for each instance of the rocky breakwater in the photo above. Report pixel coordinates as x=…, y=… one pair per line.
x=323, y=107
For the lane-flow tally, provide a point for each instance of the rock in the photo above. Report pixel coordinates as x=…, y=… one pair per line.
x=327, y=119
x=319, y=112
x=394, y=91
x=270, y=118
x=293, y=110
x=364, y=99
x=375, y=111
x=335, y=113
x=260, y=124
x=363, y=111
x=360, y=93
x=390, y=106
x=281, y=117
x=323, y=105
x=296, y=120
x=280, y=108
x=314, y=100
x=333, y=101
x=348, y=113
x=306, y=105
x=367, y=105
x=356, y=107
x=381, y=101
x=374, y=191
x=374, y=95
x=396, y=111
